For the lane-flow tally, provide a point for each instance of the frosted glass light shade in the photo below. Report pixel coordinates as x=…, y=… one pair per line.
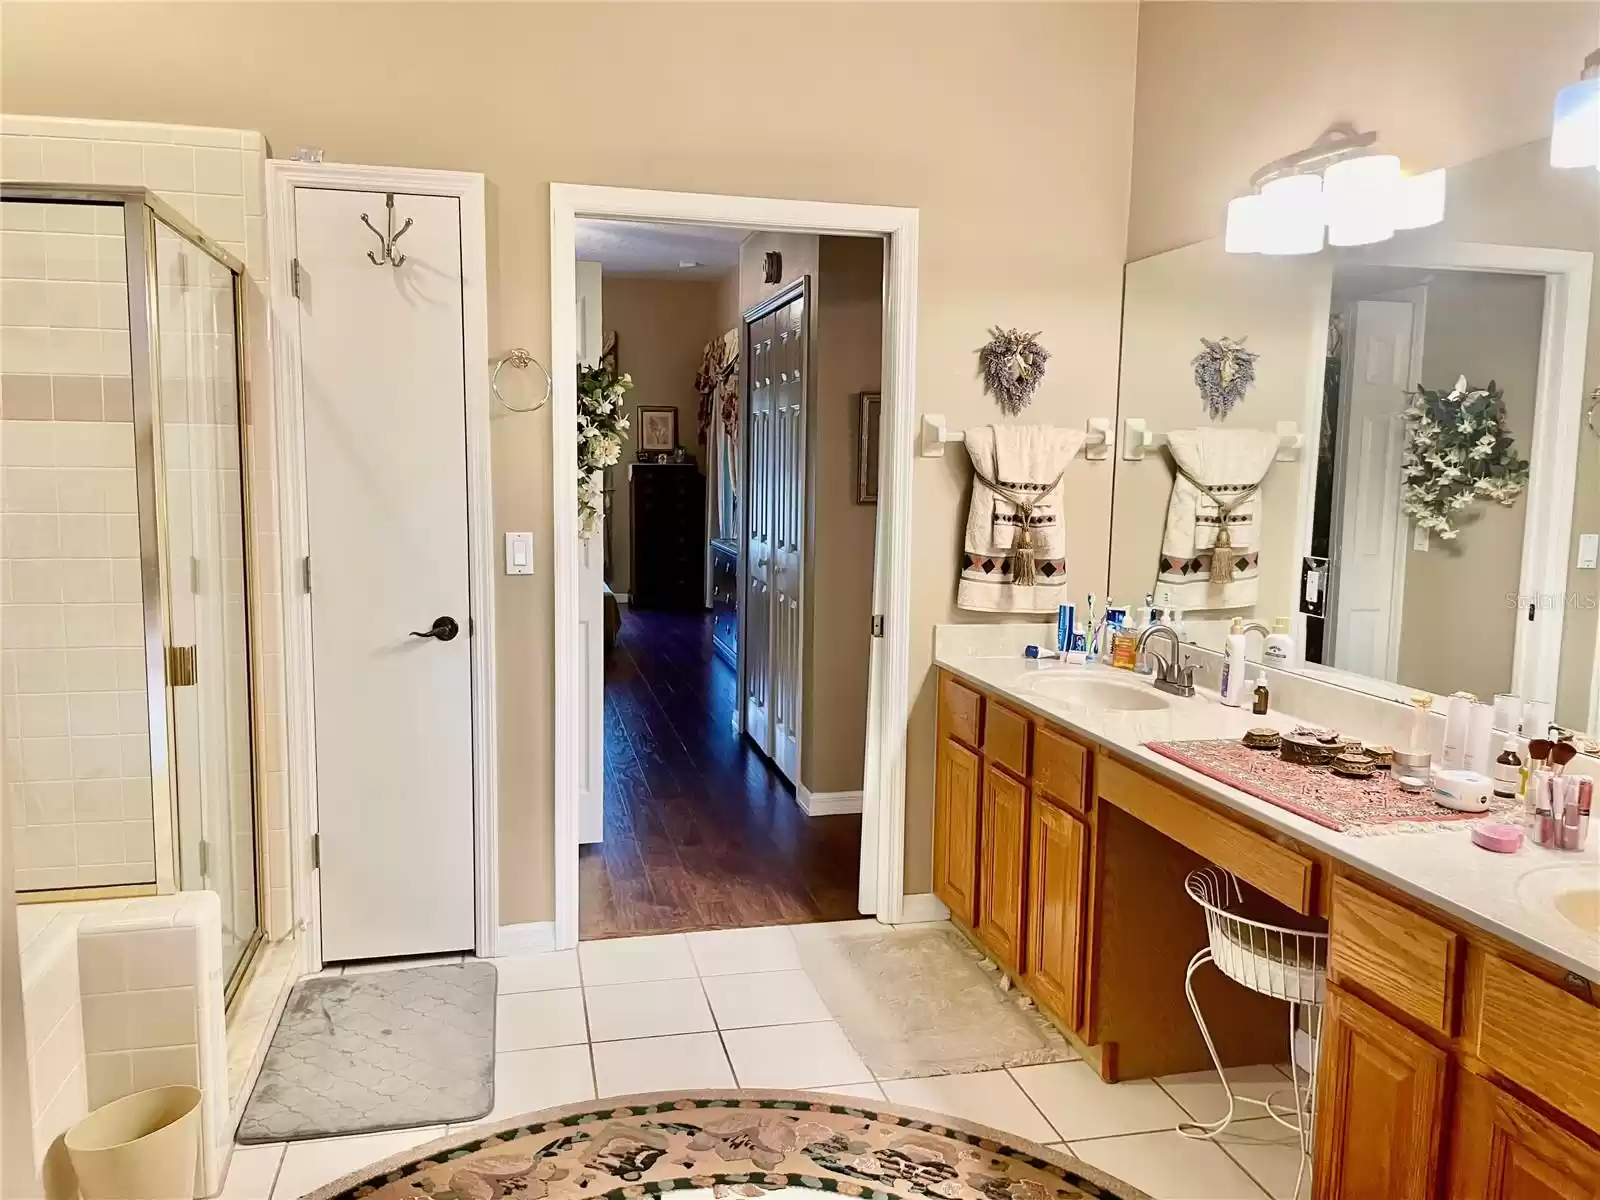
x=1575, y=131
x=1420, y=200
x=1361, y=198
x=1246, y=225
x=1293, y=215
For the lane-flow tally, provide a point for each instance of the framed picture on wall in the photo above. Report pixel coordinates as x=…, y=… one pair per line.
x=658, y=430
x=869, y=406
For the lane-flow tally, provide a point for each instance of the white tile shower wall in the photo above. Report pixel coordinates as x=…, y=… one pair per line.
x=151, y=975
x=217, y=178
x=52, y=1017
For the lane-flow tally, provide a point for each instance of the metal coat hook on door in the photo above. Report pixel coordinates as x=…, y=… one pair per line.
x=386, y=241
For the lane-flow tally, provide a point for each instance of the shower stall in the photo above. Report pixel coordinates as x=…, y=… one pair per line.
x=125, y=557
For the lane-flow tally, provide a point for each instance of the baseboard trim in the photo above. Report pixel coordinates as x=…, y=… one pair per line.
x=922, y=908
x=826, y=804
x=534, y=937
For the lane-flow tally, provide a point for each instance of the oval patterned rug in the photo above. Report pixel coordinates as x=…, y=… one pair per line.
x=730, y=1146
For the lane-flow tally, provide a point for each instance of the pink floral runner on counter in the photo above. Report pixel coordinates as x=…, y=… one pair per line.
x=1375, y=805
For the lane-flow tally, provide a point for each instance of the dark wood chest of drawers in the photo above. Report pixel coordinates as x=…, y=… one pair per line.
x=669, y=530
x=725, y=600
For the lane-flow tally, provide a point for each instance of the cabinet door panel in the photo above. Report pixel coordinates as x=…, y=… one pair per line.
x=1058, y=864
x=1380, y=1098
x=1504, y=1150
x=955, y=830
x=1004, y=840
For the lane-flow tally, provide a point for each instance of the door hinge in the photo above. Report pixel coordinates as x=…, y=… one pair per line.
x=1532, y=604
x=305, y=573
x=205, y=860
x=294, y=277
x=877, y=624
x=316, y=851
x=180, y=666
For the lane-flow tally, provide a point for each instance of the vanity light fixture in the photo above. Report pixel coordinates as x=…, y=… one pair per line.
x=1575, y=127
x=1335, y=186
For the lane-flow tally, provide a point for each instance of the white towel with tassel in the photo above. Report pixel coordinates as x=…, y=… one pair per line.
x=1210, y=553
x=1014, y=558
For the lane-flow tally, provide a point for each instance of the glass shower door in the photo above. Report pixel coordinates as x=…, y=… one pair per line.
x=200, y=461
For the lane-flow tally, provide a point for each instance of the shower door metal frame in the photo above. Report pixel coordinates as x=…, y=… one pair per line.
x=140, y=211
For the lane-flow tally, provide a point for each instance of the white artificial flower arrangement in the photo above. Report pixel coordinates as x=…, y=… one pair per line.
x=601, y=429
x=1458, y=450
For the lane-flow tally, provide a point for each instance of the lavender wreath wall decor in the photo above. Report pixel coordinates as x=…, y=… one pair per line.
x=1223, y=372
x=1013, y=364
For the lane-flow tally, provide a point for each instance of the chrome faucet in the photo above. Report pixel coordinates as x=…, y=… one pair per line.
x=1171, y=676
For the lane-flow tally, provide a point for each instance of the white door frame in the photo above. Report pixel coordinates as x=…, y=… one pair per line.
x=283, y=177
x=888, y=697
x=1552, y=452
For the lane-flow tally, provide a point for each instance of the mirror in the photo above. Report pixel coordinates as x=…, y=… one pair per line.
x=1420, y=536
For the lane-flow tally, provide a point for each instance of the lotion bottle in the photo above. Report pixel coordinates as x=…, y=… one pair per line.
x=1279, y=649
x=1233, y=665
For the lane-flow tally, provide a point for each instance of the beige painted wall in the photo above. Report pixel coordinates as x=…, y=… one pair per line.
x=662, y=328
x=1280, y=306
x=1225, y=87
x=1045, y=90
x=1458, y=629
x=847, y=358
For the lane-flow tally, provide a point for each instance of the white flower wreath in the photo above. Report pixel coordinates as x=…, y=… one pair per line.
x=601, y=428
x=1458, y=450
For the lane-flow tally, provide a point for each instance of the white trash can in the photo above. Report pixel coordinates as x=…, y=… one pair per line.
x=141, y=1147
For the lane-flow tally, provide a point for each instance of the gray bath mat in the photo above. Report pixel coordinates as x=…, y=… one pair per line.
x=381, y=1050
x=918, y=1001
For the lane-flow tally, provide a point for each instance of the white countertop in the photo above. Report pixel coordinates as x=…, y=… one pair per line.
x=1442, y=868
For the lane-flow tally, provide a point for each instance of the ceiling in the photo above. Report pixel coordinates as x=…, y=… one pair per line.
x=656, y=251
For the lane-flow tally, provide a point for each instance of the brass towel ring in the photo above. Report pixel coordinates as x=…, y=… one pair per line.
x=522, y=360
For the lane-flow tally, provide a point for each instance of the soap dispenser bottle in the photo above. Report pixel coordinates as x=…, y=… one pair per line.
x=1233, y=665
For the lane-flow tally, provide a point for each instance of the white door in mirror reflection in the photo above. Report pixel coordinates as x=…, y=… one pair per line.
x=1370, y=573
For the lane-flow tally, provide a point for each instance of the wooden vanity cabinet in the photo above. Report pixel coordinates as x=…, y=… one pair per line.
x=1058, y=878
x=1504, y=1150
x=1002, y=883
x=957, y=798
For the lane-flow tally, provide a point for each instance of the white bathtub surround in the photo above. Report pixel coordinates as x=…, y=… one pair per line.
x=52, y=1017
x=152, y=981
x=1442, y=868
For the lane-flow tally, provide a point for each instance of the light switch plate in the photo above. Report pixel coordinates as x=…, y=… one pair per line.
x=1588, y=551
x=519, y=554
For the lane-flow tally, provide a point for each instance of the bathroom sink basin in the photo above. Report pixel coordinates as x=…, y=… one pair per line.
x=1572, y=892
x=1101, y=695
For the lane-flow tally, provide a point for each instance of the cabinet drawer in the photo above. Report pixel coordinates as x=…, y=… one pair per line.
x=960, y=710
x=1005, y=739
x=1534, y=1033
x=1060, y=767
x=1278, y=871
x=1399, y=956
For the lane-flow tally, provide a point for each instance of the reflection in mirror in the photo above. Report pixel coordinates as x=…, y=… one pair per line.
x=1388, y=583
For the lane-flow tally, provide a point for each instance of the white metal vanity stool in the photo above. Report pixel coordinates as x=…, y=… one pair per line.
x=1287, y=964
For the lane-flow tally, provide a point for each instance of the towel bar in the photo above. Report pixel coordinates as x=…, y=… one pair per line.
x=935, y=434
x=1137, y=438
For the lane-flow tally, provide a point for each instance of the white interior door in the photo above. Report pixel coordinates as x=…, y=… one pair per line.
x=771, y=645
x=591, y=601
x=385, y=431
x=1370, y=539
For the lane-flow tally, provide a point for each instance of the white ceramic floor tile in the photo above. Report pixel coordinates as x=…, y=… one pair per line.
x=251, y=1172
x=767, y=998
x=793, y=1056
x=741, y=951
x=640, y=1010
x=1170, y=1166
x=990, y=1098
x=1201, y=1095
x=1269, y=1154
x=309, y=1165
x=528, y=1020
x=685, y=1060
x=635, y=959
x=1079, y=1105
x=537, y=972
x=860, y=1091
x=526, y=1081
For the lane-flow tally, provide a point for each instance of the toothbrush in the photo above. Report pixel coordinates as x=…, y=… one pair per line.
x=1092, y=634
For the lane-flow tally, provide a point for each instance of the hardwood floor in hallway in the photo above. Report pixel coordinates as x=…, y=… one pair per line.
x=701, y=832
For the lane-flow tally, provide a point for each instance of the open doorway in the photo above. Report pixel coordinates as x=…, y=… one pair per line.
x=733, y=566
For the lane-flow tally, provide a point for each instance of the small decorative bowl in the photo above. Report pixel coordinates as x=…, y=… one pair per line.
x=1307, y=749
x=1262, y=738
x=1354, y=766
